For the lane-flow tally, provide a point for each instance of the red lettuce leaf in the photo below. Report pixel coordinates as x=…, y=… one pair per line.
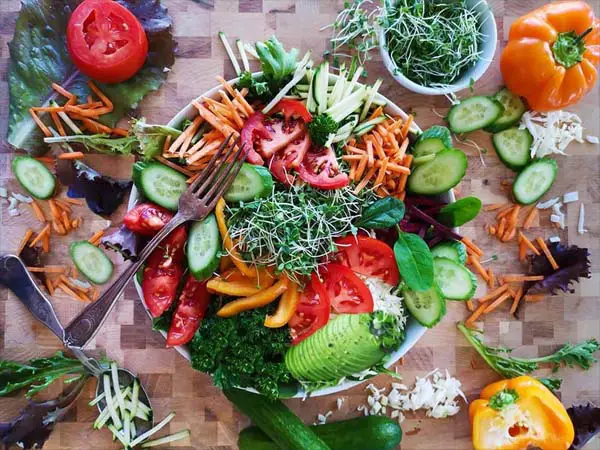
x=123, y=241
x=586, y=420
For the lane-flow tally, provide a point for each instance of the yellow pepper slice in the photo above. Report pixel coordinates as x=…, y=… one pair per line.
x=228, y=243
x=233, y=282
x=263, y=298
x=286, y=308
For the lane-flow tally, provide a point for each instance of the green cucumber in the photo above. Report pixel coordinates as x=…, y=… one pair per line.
x=474, y=113
x=454, y=250
x=513, y=147
x=514, y=108
x=455, y=281
x=440, y=175
x=251, y=182
x=423, y=159
x=534, y=181
x=427, y=307
x=320, y=85
x=362, y=433
x=203, y=247
x=159, y=184
x=276, y=421
x=34, y=176
x=432, y=141
x=368, y=125
x=91, y=262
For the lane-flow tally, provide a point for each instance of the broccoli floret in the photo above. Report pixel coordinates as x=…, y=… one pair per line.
x=320, y=127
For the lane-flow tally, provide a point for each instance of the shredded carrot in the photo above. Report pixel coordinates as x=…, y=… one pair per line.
x=62, y=91
x=515, y=278
x=533, y=297
x=475, y=262
x=370, y=157
x=473, y=317
x=362, y=165
x=96, y=237
x=74, y=201
x=492, y=306
x=495, y=293
x=39, y=123
x=120, y=132
x=381, y=174
x=470, y=306
x=492, y=278
x=25, y=240
x=546, y=251
x=38, y=211
x=71, y=155
x=365, y=180
x=509, y=234
x=503, y=210
x=516, y=300
x=507, y=212
x=47, y=269
x=46, y=243
x=174, y=166
x=494, y=207
x=214, y=121
x=522, y=250
x=376, y=113
x=57, y=123
x=66, y=221
x=514, y=215
x=40, y=235
x=472, y=246
x=501, y=227
x=67, y=290
x=100, y=95
x=402, y=149
x=530, y=218
x=54, y=209
x=528, y=243
x=49, y=286
x=406, y=126
x=58, y=227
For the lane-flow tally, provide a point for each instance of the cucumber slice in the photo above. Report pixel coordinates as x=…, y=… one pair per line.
x=320, y=84
x=455, y=281
x=534, y=181
x=441, y=174
x=514, y=108
x=251, y=182
x=474, y=113
x=423, y=159
x=91, y=262
x=432, y=141
x=368, y=125
x=34, y=177
x=203, y=246
x=454, y=250
x=159, y=184
x=427, y=307
x=513, y=147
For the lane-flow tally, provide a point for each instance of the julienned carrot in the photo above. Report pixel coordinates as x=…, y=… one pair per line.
x=533, y=297
x=495, y=293
x=406, y=127
x=470, y=306
x=174, y=166
x=39, y=123
x=514, y=215
x=57, y=123
x=516, y=278
x=62, y=91
x=472, y=246
x=67, y=290
x=25, y=240
x=509, y=234
x=492, y=306
x=96, y=127
x=100, y=95
x=501, y=227
x=46, y=243
x=475, y=262
x=370, y=157
x=71, y=155
x=381, y=174
x=530, y=218
x=96, y=237
x=40, y=235
x=492, y=278
x=360, y=186
x=38, y=211
x=47, y=269
x=120, y=132
x=528, y=243
x=473, y=317
x=49, y=286
x=494, y=207
x=376, y=113
x=546, y=251
x=516, y=300
x=522, y=250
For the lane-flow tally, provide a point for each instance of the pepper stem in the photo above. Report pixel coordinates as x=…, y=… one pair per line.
x=569, y=48
x=584, y=34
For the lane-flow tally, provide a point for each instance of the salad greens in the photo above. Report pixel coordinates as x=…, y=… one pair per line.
x=586, y=420
x=39, y=57
x=460, y=212
x=320, y=128
x=385, y=212
x=415, y=261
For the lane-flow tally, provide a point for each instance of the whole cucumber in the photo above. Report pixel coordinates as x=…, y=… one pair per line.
x=363, y=433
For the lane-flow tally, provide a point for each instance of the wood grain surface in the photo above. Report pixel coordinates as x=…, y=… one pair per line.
x=172, y=384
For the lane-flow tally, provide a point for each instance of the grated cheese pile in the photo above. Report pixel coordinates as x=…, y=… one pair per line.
x=436, y=394
x=552, y=132
x=383, y=298
x=559, y=217
x=14, y=200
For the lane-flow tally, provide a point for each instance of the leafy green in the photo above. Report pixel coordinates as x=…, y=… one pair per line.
x=277, y=64
x=388, y=329
x=241, y=351
x=415, y=261
x=320, y=128
x=39, y=57
x=151, y=138
x=36, y=374
x=436, y=132
x=257, y=89
x=586, y=421
x=460, y=212
x=499, y=359
x=502, y=399
x=102, y=143
x=553, y=384
x=383, y=213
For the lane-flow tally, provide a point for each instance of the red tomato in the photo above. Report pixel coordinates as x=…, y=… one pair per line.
x=282, y=133
x=347, y=293
x=292, y=108
x=106, y=41
x=147, y=219
x=170, y=251
x=320, y=169
x=278, y=167
x=312, y=312
x=190, y=311
x=159, y=287
x=368, y=256
x=252, y=133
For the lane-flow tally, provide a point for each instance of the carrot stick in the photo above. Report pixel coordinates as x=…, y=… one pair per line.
x=406, y=126
x=472, y=246
x=74, y=201
x=38, y=211
x=40, y=235
x=25, y=240
x=501, y=228
x=533, y=297
x=370, y=157
x=91, y=113
x=381, y=174
x=516, y=300
x=473, y=317
x=39, y=123
x=509, y=234
x=71, y=155
x=49, y=286
x=495, y=293
x=62, y=91
x=54, y=209
x=365, y=180
x=494, y=207
x=546, y=251
x=376, y=113
x=57, y=123
x=530, y=218
x=46, y=243
x=402, y=150
x=396, y=168
x=96, y=236
x=492, y=278
x=492, y=306
x=503, y=211
x=514, y=215
x=402, y=183
x=515, y=278
x=100, y=95
x=528, y=243
x=362, y=165
x=470, y=306
x=522, y=250
x=475, y=262
x=67, y=290
x=47, y=269
x=120, y=132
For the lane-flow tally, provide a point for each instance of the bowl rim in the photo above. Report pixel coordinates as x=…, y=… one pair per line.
x=490, y=43
x=413, y=334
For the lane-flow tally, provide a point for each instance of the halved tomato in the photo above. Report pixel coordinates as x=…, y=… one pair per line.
x=312, y=312
x=347, y=293
x=321, y=170
x=278, y=167
x=159, y=287
x=252, y=133
x=281, y=134
x=292, y=108
x=147, y=219
x=190, y=311
x=170, y=251
x=368, y=256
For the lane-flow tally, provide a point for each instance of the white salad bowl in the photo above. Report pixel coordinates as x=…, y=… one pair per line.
x=475, y=72
x=414, y=330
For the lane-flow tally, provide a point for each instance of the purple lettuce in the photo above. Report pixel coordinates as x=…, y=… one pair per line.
x=586, y=420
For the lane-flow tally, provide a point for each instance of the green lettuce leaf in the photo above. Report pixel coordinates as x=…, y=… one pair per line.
x=39, y=57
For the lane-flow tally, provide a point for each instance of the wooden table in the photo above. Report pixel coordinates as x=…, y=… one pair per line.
x=173, y=385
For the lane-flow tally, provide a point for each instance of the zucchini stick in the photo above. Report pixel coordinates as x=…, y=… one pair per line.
x=229, y=51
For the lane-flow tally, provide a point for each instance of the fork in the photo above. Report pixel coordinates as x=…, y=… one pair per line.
x=194, y=204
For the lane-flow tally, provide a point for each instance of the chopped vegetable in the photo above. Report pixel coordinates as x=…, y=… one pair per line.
x=320, y=129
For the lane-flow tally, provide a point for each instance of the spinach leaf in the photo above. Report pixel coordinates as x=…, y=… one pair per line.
x=460, y=212
x=384, y=213
x=39, y=57
x=437, y=132
x=415, y=261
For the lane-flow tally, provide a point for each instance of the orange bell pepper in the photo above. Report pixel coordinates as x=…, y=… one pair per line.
x=552, y=55
x=517, y=414
x=285, y=309
x=233, y=282
x=262, y=298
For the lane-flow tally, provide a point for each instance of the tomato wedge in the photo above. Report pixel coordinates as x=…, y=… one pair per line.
x=252, y=133
x=312, y=312
x=190, y=311
x=368, y=256
x=159, y=287
x=147, y=219
x=320, y=169
x=292, y=108
x=170, y=251
x=106, y=41
x=347, y=293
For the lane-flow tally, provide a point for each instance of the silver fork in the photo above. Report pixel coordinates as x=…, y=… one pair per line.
x=195, y=204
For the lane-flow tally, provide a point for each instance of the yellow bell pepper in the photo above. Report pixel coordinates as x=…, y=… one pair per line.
x=285, y=309
x=263, y=298
x=227, y=242
x=520, y=413
x=233, y=282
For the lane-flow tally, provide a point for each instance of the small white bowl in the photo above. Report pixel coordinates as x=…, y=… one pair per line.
x=488, y=46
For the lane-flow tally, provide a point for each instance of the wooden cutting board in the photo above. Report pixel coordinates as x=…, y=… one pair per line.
x=172, y=384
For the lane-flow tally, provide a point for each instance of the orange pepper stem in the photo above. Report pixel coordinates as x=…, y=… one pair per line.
x=583, y=35
x=568, y=49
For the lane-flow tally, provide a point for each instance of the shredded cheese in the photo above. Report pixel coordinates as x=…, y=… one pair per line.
x=593, y=140
x=570, y=197
x=581, y=222
x=552, y=132
x=554, y=239
x=548, y=204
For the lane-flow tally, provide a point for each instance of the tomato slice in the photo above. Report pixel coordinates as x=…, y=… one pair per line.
x=320, y=169
x=147, y=219
x=347, y=293
x=190, y=311
x=279, y=168
x=159, y=287
x=106, y=41
x=281, y=134
x=368, y=256
x=170, y=251
x=252, y=133
x=312, y=312
x=292, y=108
